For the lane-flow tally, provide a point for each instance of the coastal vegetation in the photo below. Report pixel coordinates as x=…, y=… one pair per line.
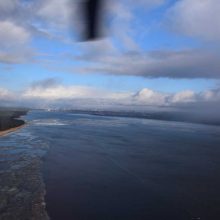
x=9, y=118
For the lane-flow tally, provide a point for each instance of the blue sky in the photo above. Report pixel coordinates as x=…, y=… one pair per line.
x=162, y=46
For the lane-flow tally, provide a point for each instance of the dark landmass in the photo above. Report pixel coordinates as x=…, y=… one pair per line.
x=177, y=116
x=9, y=118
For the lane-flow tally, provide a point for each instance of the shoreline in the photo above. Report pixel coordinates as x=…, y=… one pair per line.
x=11, y=130
x=11, y=121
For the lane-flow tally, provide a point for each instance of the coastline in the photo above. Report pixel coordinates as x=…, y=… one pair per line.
x=10, y=130
x=10, y=120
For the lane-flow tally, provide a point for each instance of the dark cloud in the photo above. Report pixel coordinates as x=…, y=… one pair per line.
x=46, y=83
x=197, y=63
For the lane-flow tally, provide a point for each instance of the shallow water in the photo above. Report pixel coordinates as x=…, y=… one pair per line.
x=21, y=185
x=98, y=167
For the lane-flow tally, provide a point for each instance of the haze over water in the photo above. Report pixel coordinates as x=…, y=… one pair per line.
x=99, y=167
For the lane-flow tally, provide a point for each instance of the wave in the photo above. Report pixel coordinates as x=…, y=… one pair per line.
x=49, y=122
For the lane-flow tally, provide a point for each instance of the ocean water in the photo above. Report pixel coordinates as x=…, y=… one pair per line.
x=111, y=168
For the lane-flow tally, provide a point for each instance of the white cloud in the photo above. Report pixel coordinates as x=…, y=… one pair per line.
x=14, y=41
x=12, y=35
x=150, y=97
x=57, y=13
x=50, y=89
x=196, y=18
x=3, y=92
x=51, y=92
x=60, y=92
x=6, y=95
x=184, y=97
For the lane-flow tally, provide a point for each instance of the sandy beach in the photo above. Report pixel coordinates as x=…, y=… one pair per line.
x=8, y=131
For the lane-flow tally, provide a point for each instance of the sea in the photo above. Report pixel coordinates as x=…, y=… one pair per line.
x=67, y=166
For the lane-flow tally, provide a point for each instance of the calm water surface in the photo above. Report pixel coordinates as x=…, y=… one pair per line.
x=115, y=168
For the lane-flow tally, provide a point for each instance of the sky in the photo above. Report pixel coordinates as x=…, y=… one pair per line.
x=160, y=53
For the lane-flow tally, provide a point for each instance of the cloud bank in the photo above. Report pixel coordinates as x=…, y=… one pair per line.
x=51, y=93
x=191, y=63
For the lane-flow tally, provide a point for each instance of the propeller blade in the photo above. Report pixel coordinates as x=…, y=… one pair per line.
x=91, y=10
